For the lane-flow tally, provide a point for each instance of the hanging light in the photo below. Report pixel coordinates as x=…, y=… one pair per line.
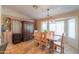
x=51, y=20
x=48, y=12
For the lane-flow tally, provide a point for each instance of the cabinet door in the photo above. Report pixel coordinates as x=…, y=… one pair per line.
x=27, y=31
x=31, y=30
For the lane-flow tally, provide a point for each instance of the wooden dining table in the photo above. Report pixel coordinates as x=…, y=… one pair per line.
x=51, y=41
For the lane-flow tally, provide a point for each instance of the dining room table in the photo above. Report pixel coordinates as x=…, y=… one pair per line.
x=51, y=41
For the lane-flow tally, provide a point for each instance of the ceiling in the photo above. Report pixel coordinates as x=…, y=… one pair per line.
x=41, y=11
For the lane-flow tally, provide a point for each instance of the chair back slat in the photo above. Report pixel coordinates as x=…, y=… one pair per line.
x=62, y=39
x=50, y=34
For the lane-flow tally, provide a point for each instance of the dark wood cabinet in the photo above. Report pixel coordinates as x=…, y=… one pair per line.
x=27, y=30
x=16, y=38
x=26, y=33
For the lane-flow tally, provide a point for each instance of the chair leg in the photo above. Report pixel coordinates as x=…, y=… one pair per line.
x=54, y=46
x=62, y=50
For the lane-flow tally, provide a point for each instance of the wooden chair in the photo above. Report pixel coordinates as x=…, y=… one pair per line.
x=35, y=37
x=35, y=34
x=39, y=37
x=59, y=44
x=49, y=36
x=43, y=39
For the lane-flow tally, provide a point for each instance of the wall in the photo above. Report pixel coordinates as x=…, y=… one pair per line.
x=78, y=33
x=73, y=43
x=0, y=24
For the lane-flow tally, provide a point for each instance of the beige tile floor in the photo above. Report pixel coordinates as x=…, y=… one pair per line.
x=69, y=49
x=28, y=47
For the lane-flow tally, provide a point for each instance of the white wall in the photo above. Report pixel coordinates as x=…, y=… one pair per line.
x=0, y=24
x=10, y=12
x=78, y=33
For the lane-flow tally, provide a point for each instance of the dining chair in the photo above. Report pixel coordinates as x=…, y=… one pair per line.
x=35, y=33
x=38, y=38
x=43, y=39
x=50, y=37
x=35, y=37
x=59, y=44
x=50, y=34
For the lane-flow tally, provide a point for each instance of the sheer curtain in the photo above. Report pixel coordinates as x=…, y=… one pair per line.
x=59, y=27
x=71, y=28
x=44, y=26
x=16, y=26
x=52, y=26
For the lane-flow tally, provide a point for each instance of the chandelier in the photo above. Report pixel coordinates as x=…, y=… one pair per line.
x=48, y=17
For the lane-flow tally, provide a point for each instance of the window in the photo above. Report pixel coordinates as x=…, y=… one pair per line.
x=52, y=26
x=59, y=27
x=44, y=26
x=71, y=28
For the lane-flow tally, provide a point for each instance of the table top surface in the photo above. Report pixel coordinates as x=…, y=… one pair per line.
x=55, y=38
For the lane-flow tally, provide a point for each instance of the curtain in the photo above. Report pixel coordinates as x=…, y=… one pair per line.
x=16, y=26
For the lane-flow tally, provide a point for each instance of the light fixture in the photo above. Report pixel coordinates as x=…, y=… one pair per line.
x=48, y=17
x=48, y=11
x=35, y=6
